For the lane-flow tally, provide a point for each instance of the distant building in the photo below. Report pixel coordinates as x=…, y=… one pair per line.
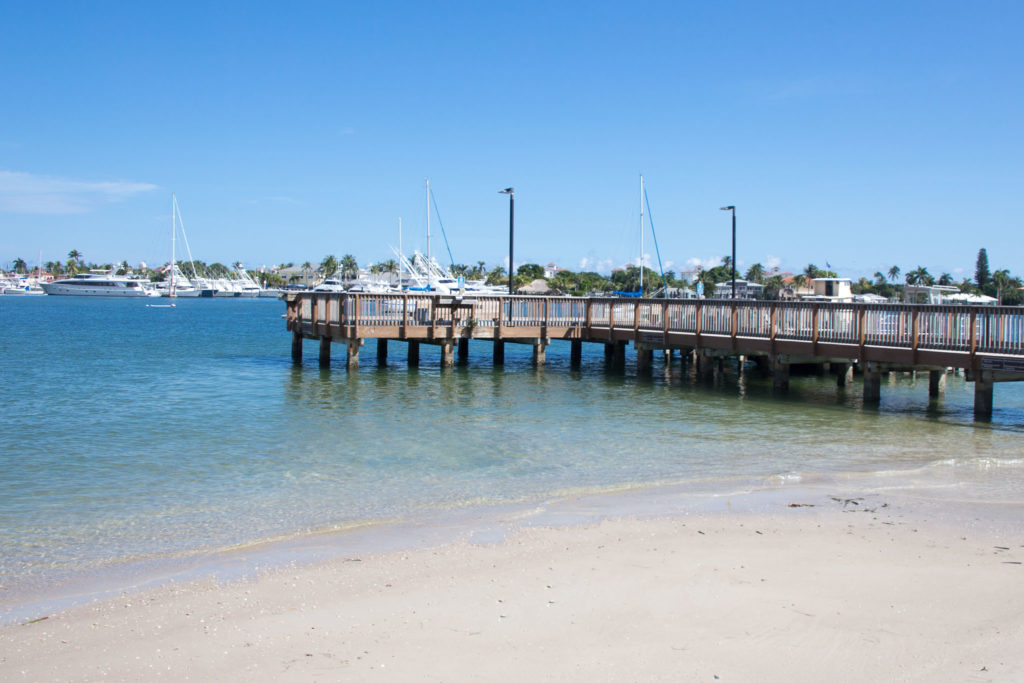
x=830, y=289
x=744, y=290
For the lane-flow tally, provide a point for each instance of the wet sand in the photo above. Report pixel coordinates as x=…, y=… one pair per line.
x=874, y=588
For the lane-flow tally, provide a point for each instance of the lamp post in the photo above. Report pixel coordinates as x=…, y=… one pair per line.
x=733, y=209
x=511, y=232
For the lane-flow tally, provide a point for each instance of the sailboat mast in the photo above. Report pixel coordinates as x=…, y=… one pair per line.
x=428, y=220
x=641, y=234
x=173, y=216
x=400, y=267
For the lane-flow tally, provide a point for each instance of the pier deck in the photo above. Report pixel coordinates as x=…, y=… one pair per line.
x=986, y=342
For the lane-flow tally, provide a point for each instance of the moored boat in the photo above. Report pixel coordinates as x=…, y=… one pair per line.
x=98, y=284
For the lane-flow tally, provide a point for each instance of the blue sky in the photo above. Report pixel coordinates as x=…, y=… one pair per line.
x=864, y=135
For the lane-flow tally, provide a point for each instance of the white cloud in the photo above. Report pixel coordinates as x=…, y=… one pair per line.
x=772, y=262
x=30, y=193
x=704, y=263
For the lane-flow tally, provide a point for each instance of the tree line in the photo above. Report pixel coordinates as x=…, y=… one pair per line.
x=1000, y=283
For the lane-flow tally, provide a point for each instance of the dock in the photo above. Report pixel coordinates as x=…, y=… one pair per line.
x=985, y=342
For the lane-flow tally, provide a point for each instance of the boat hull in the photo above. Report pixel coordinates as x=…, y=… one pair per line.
x=57, y=289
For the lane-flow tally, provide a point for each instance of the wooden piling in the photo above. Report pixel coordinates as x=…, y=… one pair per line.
x=352, y=361
x=325, y=351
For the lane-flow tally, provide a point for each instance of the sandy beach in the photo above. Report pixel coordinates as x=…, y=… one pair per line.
x=824, y=588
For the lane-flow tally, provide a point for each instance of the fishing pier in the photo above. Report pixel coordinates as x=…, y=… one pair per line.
x=985, y=342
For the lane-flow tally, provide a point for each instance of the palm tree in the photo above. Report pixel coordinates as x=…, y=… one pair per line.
x=879, y=278
x=1001, y=279
x=799, y=281
x=75, y=255
x=920, y=276
x=497, y=276
x=945, y=279
x=307, y=269
x=773, y=287
x=19, y=265
x=707, y=278
x=894, y=273
x=71, y=266
x=349, y=267
x=755, y=273
x=329, y=266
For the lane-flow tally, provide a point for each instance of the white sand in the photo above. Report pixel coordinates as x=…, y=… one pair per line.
x=807, y=594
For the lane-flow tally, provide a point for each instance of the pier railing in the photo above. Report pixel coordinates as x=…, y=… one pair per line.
x=947, y=328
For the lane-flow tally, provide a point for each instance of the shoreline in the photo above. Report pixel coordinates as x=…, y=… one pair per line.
x=494, y=522
x=889, y=585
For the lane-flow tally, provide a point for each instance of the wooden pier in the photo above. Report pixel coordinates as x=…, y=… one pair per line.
x=986, y=342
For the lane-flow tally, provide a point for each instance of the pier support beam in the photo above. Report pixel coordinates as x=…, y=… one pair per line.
x=540, y=352
x=615, y=354
x=463, y=350
x=643, y=359
x=936, y=383
x=297, y=347
x=872, y=385
x=325, y=351
x=352, y=362
x=447, y=354
x=619, y=356
x=575, y=353
x=983, y=397
x=499, y=352
x=413, y=353
x=780, y=374
x=382, y=352
x=705, y=366
x=844, y=375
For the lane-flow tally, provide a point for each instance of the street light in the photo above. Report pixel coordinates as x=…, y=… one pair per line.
x=511, y=233
x=733, y=209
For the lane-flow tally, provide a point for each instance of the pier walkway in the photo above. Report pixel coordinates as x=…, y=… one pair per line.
x=986, y=342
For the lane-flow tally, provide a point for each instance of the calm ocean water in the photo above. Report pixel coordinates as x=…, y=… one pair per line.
x=134, y=434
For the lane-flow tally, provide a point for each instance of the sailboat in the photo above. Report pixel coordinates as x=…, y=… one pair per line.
x=640, y=292
x=180, y=285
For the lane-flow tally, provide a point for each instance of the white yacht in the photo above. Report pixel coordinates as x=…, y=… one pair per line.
x=99, y=284
x=20, y=286
x=244, y=284
x=331, y=284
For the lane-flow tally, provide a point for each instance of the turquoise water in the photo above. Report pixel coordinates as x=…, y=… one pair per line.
x=134, y=434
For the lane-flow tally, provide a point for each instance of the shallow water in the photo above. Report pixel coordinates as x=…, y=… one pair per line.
x=137, y=434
